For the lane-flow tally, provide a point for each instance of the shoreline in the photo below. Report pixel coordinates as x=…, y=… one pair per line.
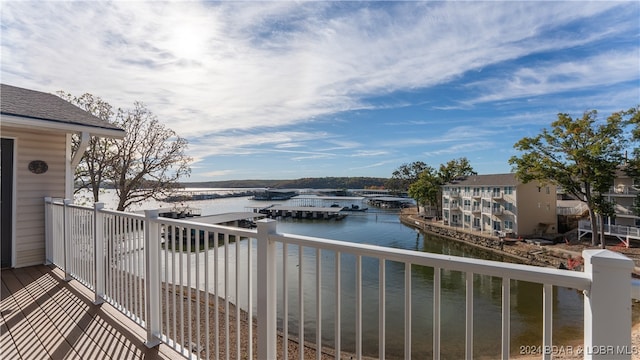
x=537, y=255
x=530, y=254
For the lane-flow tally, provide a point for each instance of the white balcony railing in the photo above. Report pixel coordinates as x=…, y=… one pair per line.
x=145, y=266
x=623, y=190
x=578, y=209
x=625, y=233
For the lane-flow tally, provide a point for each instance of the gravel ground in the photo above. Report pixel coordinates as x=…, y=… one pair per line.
x=195, y=304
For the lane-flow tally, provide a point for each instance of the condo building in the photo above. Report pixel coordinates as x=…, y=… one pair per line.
x=624, y=194
x=499, y=204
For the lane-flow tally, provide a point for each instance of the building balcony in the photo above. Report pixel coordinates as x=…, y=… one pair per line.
x=622, y=190
x=152, y=278
x=627, y=211
x=624, y=233
x=452, y=193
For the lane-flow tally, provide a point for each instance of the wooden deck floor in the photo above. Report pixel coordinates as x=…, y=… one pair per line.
x=45, y=317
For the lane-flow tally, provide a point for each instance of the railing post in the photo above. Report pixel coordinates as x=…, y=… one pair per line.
x=66, y=248
x=152, y=277
x=98, y=253
x=48, y=231
x=266, y=290
x=607, y=305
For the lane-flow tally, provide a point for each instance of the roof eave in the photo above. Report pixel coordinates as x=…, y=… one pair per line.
x=31, y=123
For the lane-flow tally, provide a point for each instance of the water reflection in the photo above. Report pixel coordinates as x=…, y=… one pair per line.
x=526, y=299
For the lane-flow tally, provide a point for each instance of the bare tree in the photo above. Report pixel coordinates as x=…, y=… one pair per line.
x=94, y=168
x=149, y=161
x=146, y=164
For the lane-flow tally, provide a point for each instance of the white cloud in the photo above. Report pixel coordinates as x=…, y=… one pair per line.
x=368, y=153
x=556, y=77
x=247, y=78
x=462, y=148
x=212, y=67
x=217, y=173
x=249, y=143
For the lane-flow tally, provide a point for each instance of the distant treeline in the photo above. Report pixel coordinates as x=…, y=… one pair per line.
x=304, y=183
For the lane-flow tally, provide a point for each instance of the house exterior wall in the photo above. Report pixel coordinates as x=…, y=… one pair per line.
x=537, y=205
x=30, y=189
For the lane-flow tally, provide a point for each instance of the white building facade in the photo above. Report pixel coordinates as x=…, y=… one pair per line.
x=499, y=204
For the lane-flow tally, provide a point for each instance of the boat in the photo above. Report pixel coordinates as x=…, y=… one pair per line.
x=354, y=208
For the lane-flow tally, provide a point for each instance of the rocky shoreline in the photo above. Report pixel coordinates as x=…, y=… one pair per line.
x=567, y=255
x=556, y=256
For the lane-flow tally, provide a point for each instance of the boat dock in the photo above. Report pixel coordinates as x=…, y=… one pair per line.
x=236, y=219
x=301, y=212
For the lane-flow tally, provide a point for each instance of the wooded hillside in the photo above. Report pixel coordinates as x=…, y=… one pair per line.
x=303, y=183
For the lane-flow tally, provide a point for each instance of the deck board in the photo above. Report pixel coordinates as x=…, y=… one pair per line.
x=43, y=316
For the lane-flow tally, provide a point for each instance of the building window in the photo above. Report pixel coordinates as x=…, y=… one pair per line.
x=508, y=190
x=548, y=190
x=508, y=225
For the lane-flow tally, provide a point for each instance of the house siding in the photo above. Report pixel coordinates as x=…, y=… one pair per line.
x=537, y=207
x=31, y=189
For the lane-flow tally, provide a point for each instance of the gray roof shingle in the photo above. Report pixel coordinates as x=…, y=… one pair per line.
x=47, y=107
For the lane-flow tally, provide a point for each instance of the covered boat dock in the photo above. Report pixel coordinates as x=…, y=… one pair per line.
x=301, y=212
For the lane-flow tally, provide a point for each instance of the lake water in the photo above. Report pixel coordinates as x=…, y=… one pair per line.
x=382, y=227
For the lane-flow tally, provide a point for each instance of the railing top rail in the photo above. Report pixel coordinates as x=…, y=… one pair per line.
x=121, y=213
x=76, y=206
x=541, y=275
x=209, y=227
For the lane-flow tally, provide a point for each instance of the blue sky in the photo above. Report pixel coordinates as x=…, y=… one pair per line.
x=283, y=89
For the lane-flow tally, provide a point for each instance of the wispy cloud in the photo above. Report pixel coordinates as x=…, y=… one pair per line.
x=248, y=78
x=462, y=149
x=241, y=66
x=556, y=77
x=217, y=173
